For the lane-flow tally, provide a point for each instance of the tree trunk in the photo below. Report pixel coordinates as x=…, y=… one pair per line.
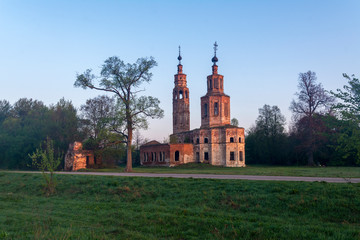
x=311, y=143
x=129, y=155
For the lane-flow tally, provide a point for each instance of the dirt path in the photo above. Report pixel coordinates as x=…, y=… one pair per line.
x=215, y=176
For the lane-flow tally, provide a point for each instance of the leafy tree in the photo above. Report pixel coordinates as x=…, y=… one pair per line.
x=311, y=99
x=266, y=141
x=96, y=113
x=124, y=80
x=64, y=124
x=5, y=110
x=349, y=112
x=22, y=131
x=44, y=159
x=28, y=122
x=235, y=122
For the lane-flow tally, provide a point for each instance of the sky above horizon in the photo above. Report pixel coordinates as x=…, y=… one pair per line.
x=263, y=46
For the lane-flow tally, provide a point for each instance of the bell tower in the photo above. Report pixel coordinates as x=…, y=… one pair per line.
x=215, y=105
x=181, y=112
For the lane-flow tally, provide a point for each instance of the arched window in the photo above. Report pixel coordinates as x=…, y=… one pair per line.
x=197, y=141
x=216, y=109
x=205, y=110
x=206, y=140
x=175, y=95
x=186, y=94
x=160, y=157
x=231, y=139
x=239, y=139
x=181, y=94
x=177, y=156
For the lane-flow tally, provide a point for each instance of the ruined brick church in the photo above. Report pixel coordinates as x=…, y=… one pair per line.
x=216, y=142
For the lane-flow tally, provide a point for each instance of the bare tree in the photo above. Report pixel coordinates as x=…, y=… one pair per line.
x=124, y=80
x=311, y=99
x=139, y=139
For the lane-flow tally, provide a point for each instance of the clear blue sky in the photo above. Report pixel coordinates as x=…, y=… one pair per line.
x=263, y=46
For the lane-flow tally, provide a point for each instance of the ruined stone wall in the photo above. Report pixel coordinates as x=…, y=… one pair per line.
x=76, y=158
x=181, y=153
x=155, y=154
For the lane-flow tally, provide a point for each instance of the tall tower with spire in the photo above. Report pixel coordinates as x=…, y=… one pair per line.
x=181, y=112
x=215, y=105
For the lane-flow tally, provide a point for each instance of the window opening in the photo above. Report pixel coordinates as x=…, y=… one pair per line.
x=206, y=156
x=231, y=139
x=177, y=155
x=181, y=94
x=205, y=110
x=206, y=140
x=232, y=156
x=197, y=140
x=239, y=139
x=216, y=109
x=241, y=155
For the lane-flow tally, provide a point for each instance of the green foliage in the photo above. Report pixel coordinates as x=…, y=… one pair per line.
x=235, y=122
x=124, y=80
x=348, y=110
x=266, y=142
x=97, y=207
x=45, y=160
x=28, y=122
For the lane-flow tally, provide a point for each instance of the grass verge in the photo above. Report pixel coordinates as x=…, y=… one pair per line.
x=343, y=172
x=99, y=207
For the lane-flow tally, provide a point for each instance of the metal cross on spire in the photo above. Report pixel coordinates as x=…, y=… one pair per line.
x=215, y=59
x=215, y=48
x=179, y=57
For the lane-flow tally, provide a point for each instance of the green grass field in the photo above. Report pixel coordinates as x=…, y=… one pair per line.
x=99, y=207
x=344, y=172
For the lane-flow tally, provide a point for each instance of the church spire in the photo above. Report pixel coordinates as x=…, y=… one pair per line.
x=215, y=60
x=179, y=58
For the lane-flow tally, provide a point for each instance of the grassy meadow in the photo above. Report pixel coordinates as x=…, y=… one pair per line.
x=343, y=172
x=104, y=207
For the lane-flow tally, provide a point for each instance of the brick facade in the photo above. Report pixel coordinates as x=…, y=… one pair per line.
x=76, y=158
x=216, y=141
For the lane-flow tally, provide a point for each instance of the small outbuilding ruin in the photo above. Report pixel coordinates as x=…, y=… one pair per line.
x=76, y=158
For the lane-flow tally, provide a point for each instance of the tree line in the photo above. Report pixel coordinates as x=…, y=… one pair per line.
x=325, y=128
x=104, y=124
